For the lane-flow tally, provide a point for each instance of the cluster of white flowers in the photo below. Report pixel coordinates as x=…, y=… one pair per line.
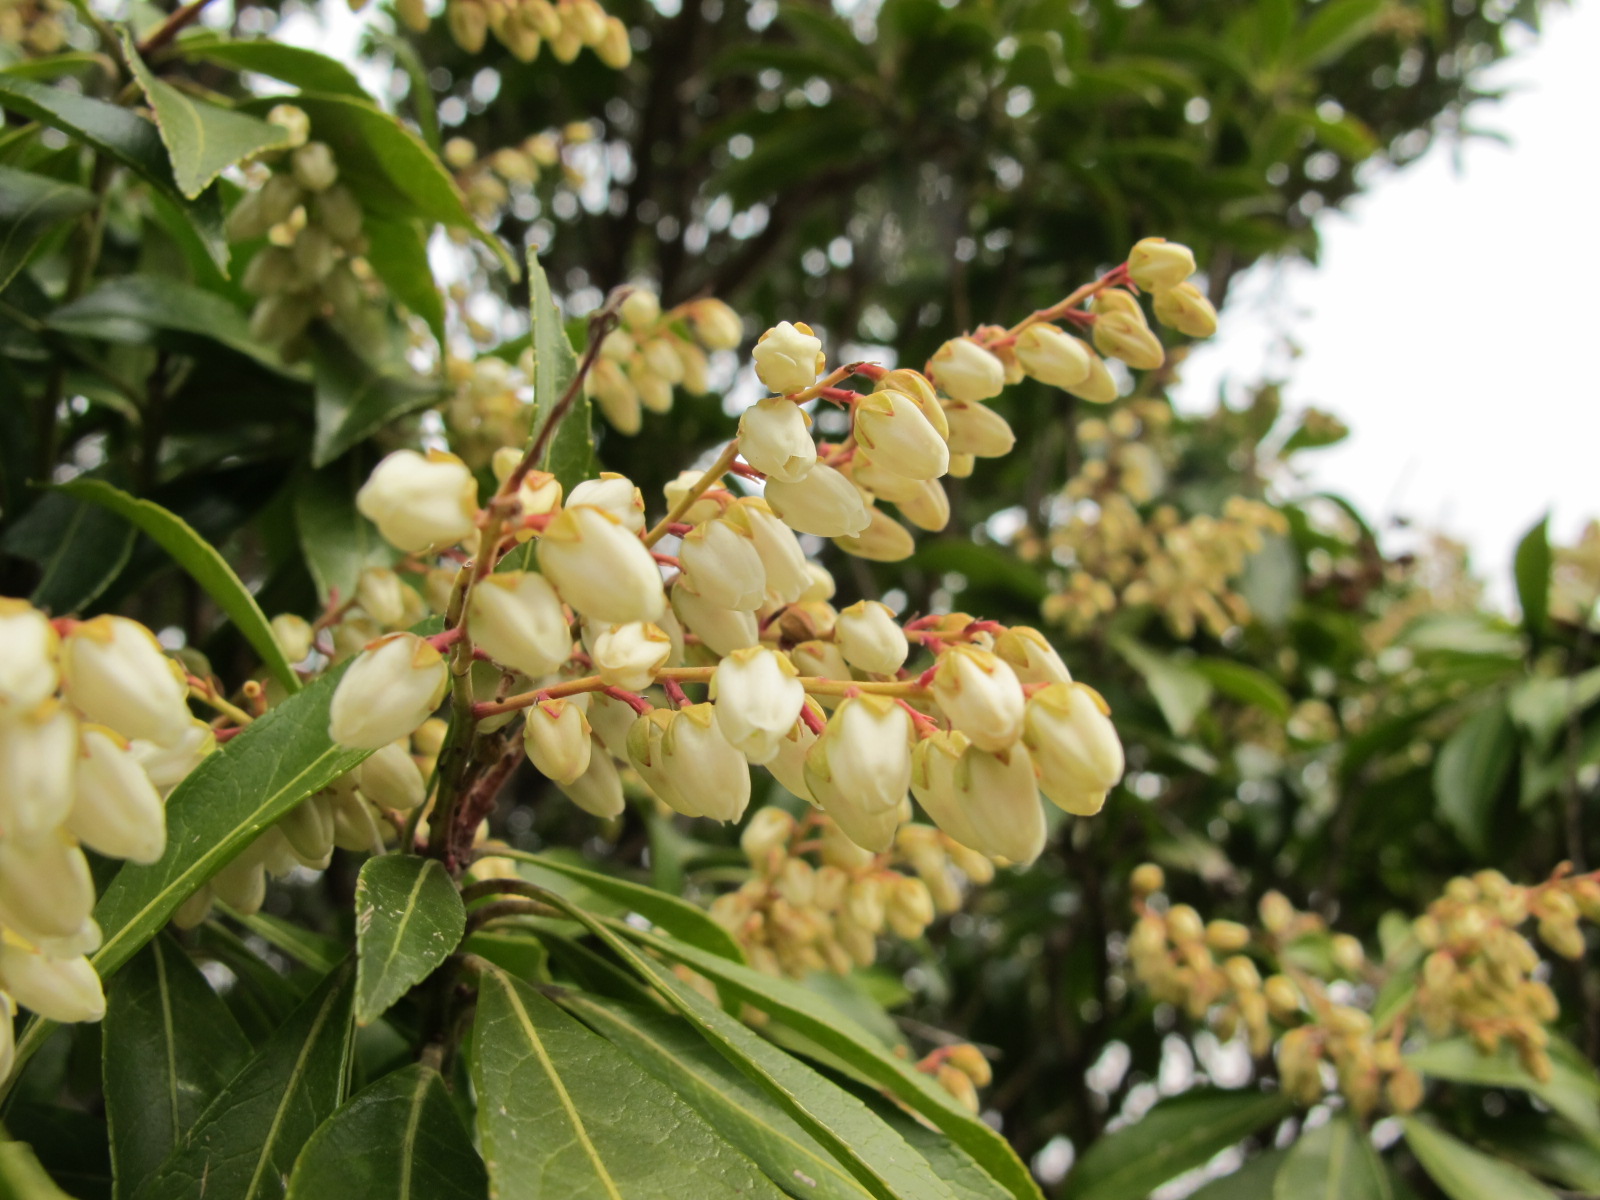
x=95, y=729
x=655, y=351
x=524, y=27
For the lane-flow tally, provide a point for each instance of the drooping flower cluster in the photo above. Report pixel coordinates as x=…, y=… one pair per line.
x=524, y=27
x=655, y=351
x=95, y=729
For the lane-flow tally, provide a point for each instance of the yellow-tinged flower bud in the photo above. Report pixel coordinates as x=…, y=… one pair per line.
x=293, y=121
x=987, y=802
x=557, y=738
x=769, y=830
x=703, y=766
x=308, y=828
x=293, y=634
x=978, y=430
x=611, y=388
x=389, y=777
x=598, y=791
x=928, y=508
x=720, y=562
x=469, y=24
x=908, y=907
x=870, y=638
x=966, y=371
x=1185, y=309
x=418, y=502
x=516, y=619
x=1347, y=953
x=866, y=472
x=1125, y=336
x=116, y=674
x=960, y=1085
x=38, y=770
x=1185, y=925
x=614, y=494
x=45, y=887
x=1030, y=654
x=775, y=439
x=783, y=562
x=883, y=540
x=1228, y=936
x=28, y=672
x=788, y=357
x=381, y=595
x=1155, y=263
x=788, y=765
x=981, y=696
x=1147, y=878
x=823, y=503
x=962, y=465
x=640, y=309
x=1074, y=745
x=168, y=766
x=1099, y=387
x=117, y=810
x=1053, y=356
x=723, y=630
x=65, y=990
x=629, y=656
x=391, y=688
x=860, y=769
x=716, y=325
x=899, y=437
x=917, y=386
x=600, y=567
x=758, y=700
x=313, y=167
x=1276, y=912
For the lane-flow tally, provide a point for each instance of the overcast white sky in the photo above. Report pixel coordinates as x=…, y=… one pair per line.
x=1452, y=319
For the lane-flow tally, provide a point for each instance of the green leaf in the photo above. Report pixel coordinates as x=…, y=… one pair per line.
x=354, y=399
x=1463, y=1173
x=244, y=1145
x=1573, y=1089
x=1532, y=565
x=670, y=1049
x=205, y=565
x=398, y=252
x=409, y=919
x=1544, y=1146
x=80, y=549
x=564, y=1115
x=1177, y=1134
x=338, y=542
x=1333, y=29
x=1471, y=770
x=1334, y=1161
x=570, y=456
x=1247, y=684
x=30, y=207
x=291, y=64
x=953, y=1165
x=1540, y=706
x=1179, y=689
x=1253, y=1181
x=399, y=1139
x=203, y=140
x=306, y=947
x=129, y=139
x=170, y=1045
x=21, y=1176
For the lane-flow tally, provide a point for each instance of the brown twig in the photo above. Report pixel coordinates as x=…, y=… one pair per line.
x=171, y=27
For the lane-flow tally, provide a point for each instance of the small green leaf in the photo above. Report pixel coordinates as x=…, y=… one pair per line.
x=399, y=1139
x=80, y=548
x=203, y=562
x=1540, y=706
x=128, y=138
x=564, y=1115
x=338, y=542
x=244, y=1145
x=570, y=457
x=1179, y=689
x=398, y=252
x=1471, y=770
x=293, y=65
x=1247, y=684
x=1532, y=566
x=30, y=207
x=354, y=399
x=409, y=919
x=1573, y=1089
x=1463, y=1173
x=1334, y=1161
x=1177, y=1134
x=170, y=1045
x=203, y=140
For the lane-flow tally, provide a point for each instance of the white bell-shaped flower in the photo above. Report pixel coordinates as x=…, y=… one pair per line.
x=117, y=675
x=598, y=791
x=45, y=887
x=723, y=630
x=758, y=700
x=558, y=740
x=981, y=696
x=516, y=618
x=703, y=508
x=929, y=508
x=390, y=778
x=978, y=430
x=788, y=357
x=870, y=638
x=788, y=574
x=168, y=766
x=420, y=501
x=824, y=503
x=987, y=802
x=703, y=766
x=860, y=769
x=600, y=567
x=775, y=439
x=1186, y=308
x=1053, y=356
x=1098, y=388
x=1076, y=751
x=720, y=562
x=1030, y=654
x=38, y=768
x=294, y=635
x=117, y=810
x=646, y=736
x=894, y=431
x=390, y=689
x=629, y=656
x=866, y=473
x=788, y=765
x=381, y=594
x=883, y=540
x=28, y=672
x=964, y=370
x=64, y=990
x=614, y=493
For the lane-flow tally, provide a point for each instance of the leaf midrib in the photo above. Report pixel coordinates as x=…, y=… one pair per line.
x=296, y=1074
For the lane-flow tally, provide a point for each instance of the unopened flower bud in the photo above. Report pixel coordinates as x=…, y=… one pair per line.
x=1227, y=936
x=117, y=810
x=600, y=567
x=1283, y=997
x=1187, y=310
x=293, y=634
x=1030, y=654
x=557, y=738
x=469, y=24
x=116, y=675
x=1099, y=387
x=617, y=495
x=598, y=791
x=1075, y=747
x=1147, y=878
x=629, y=656
x=390, y=779
x=978, y=430
x=420, y=501
x=823, y=503
x=38, y=769
x=704, y=766
x=883, y=540
x=716, y=325
x=788, y=357
x=1125, y=336
x=391, y=688
x=987, y=802
x=928, y=508
x=516, y=619
x=768, y=830
x=894, y=431
x=609, y=386
x=168, y=766
x=784, y=564
x=981, y=696
x=28, y=672
x=860, y=769
x=788, y=765
x=758, y=700
x=1053, y=356
x=908, y=908
x=45, y=887
x=775, y=439
x=970, y=1061
x=381, y=594
x=1155, y=263
x=313, y=167
x=723, y=630
x=964, y=370
x=721, y=563
x=871, y=639
x=67, y=990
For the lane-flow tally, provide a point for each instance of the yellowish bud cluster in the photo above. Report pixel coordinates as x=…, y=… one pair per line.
x=960, y=1069
x=654, y=351
x=1575, y=579
x=524, y=27
x=34, y=27
x=487, y=182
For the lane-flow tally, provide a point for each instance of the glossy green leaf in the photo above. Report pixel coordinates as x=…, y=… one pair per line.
x=1246, y=684
x=399, y=1139
x=670, y=1049
x=355, y=399
x=953, y=1165
x=1532, y=566
x=1252, y=1181
x=30, y=207
x=570, y=457
x=1463, y=1173
x=21, y=1176
x=1177, y=1134
x=409, y=919
x=1334, y=1161
x=338, y=542
x=153, y=309
x=1544, y=1146
x=1181, y=692
x=80, y=549
x=202, y=139
x=1471, y=770
x=1540, y=707
x=244, y=1145
x=128, y=138
x=170, y=1045
x=305, y=946
x=1573, y=1089
x=202, y=561
x=293, y=65
x=398, y=252
x=565, y=1115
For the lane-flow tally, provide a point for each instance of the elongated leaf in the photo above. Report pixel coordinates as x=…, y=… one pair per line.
x=1573, y=1090
x=244, y=1145
x=565, y=1115
x=1334, y=1161
x=291, y=64
x=205, y=565
x=1540, y=707
x=80, y=549
x=339, y=543
x=1532, y=566
x=170, y=1046
x=398, y=252
x=953, y=1165
x=570, y=457
x=1253, y=1181
x=670, y=1049
x=355, y=399
x=1246, y=684
x=1175, y=1135
x=202, y=139
x=21, y=1176
x=676, y=916
x=409, y=919
x=399, y=1139
x=1470, y=772
x=1544, y=1147
x=30, y=207
x=1180, y=691
x=129, y=139
x=1463, y=1173
x=306, y=947
x=1333, y=28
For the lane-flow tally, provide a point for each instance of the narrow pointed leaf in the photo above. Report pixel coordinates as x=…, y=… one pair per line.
x=1334, y=1161
x=80, y=548
x=565, y=1115
x=1470, y=772
x=1531, y=566
x=398, y=251
x=293, y=65
x=30, y=207
x=570, y=457
x=1573, y=1090
x=203, y=562
x=670, y=1049
x=170, y=1045
x=1463, y=1173
x=399, y=1139
x=963, y=1176
x=409, y=918
x=244, y=1145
